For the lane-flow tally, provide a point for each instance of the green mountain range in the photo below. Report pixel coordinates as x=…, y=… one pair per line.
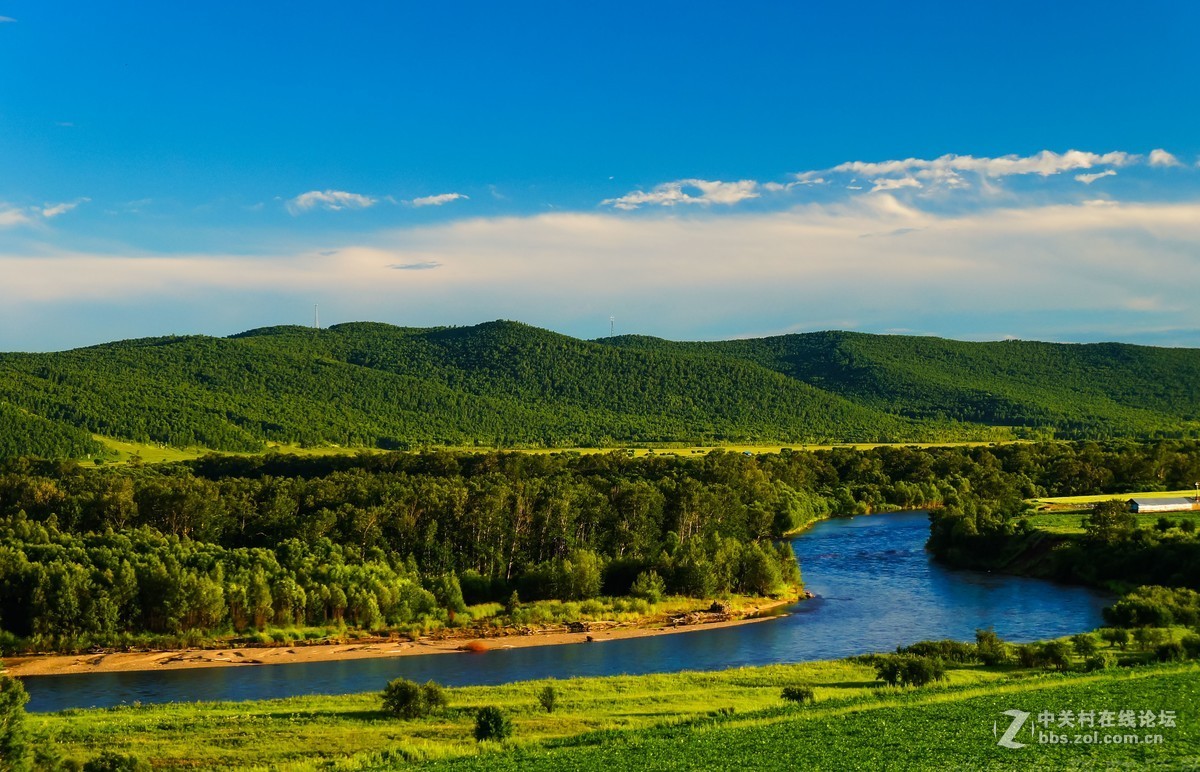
x=509, y=384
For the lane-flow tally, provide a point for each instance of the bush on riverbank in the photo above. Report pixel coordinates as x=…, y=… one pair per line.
x=407, y=699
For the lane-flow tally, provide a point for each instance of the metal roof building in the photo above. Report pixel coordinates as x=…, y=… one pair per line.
x=1161, y=505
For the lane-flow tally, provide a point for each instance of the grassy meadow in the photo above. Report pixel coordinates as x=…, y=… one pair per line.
x=729, y=719
x=120, y=451
x=1065, y=514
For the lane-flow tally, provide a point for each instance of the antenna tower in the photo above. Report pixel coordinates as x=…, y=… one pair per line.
x=612, y=325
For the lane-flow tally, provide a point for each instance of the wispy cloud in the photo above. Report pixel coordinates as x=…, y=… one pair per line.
x=7, y=20
x=690, y=191
x=54, y=210
x=438, y=200
x=10, y=217
x=1088, y=179
x=886, y=183
x=426, y=265
x=332, y=200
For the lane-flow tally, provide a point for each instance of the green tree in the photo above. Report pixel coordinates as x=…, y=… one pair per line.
x=989, y=648
x=1056, y=654
x=1110, y=521
x=1115, y=636
x=14, y=745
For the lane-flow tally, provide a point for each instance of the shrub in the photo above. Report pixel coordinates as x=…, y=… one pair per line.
x=1148, y=637
x=1084, y=645
x=1155, y=607
x=1191, y=645
x=649, y=586
x=1099, y=661
x=989, y=648
x=909, y=670
x=116, y=762
x=924, y=670
x=547, y=698
x=1172, y=651
x=408, y=699
x=492, y=724
x=800, y=694
x=948, y=650
x=1029, y=655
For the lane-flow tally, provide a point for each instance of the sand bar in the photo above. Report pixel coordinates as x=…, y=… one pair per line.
x=365, y=648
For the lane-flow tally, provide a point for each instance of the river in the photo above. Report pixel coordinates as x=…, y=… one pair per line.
x=876, y=588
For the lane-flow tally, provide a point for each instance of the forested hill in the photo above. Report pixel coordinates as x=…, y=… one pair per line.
x=1078, y=390
x=376, y=385
x=505, y=384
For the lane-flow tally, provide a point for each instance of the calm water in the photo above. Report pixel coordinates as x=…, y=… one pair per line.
x=875, y=585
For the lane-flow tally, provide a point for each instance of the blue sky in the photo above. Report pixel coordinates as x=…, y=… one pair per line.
x=696, y=170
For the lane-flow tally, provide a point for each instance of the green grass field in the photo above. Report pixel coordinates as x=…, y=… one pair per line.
x=155, y=453
x=1073, y=500
x=1072, y=521
x=1065, y=514
x=120, y=451
x=733, y=719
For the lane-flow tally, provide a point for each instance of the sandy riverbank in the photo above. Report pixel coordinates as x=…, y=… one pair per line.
x=60, y=664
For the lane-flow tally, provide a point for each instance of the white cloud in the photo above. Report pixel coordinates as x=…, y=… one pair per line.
x=1045, y=163
x=932, y=177
x=1088, y=179
x=54, y=210
x=438, y=200
x=12, y=217
x=6, y=19
x=1004, y=266
x=887, y=183
x=690, y=191
x=1160, y=157
x=333, y=200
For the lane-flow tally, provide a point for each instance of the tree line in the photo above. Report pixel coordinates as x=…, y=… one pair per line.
x=374, y=541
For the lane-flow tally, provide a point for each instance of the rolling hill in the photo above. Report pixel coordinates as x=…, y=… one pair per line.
x=509, y=384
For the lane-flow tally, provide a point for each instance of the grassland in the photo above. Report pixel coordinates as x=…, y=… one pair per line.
x=1070, y=522
x=121, y=451
x=1065, y=514
x=730, y=719
x=1080, y=500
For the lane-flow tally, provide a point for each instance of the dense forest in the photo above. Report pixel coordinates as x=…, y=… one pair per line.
x=504, y=384
x=377, y=541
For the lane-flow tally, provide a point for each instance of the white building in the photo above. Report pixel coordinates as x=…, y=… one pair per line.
x=1142, y=506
